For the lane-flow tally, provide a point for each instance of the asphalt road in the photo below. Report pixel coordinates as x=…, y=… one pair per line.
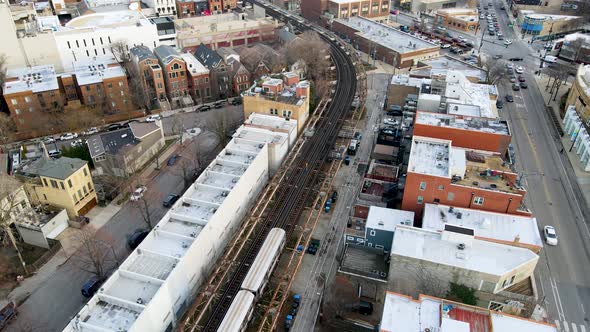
x=51, y=306
x=563, y=272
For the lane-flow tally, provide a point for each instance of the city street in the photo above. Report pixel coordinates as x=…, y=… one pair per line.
x=563, y=273
x=51, y=306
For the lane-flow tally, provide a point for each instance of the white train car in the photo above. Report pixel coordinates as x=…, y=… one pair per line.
x=237, y=317
x=265, y=262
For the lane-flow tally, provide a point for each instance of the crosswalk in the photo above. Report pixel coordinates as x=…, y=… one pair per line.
x=563, y=326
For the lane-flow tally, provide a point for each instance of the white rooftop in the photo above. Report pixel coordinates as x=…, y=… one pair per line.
x=386, y=36
x=387, y=219
x=478, y=255
x=269, y=121
x=404, y=314
x=272, y=81
x=111, y=19
x=430, y=156
x=407, y=80
x=95, y=71
x=490, y=225
x=491, y=126
x=461, y=91
x=35, y=79
x=194, y=65
x=549, y=17
x=260, y=135
x=441, y=65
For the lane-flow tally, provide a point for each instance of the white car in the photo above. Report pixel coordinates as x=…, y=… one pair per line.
x=445, y=46
x=90, y=131
x=153, y=118
x=391, y=122
x=68, y=136
x=550, y=235
x=510, y=65
x=77, y=142
x=138, y=193
x=507, y=41
x=519, y=70
x=49, y=140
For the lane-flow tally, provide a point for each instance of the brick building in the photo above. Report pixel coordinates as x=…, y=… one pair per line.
x=240, y=77
x=385, y=43
x=174, y=69
x=369, y=9
x=441, y=173
x=199, y=83
x=190, y=8
x=219, y=71
x=464, y=19
x=152, y=77
x=464, y=131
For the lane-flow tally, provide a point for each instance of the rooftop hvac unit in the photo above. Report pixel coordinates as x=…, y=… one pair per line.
x=139, y=300
x=224, y=194
x=213, y=210
x=461, y=246
x=234, y=180
x=184, y=245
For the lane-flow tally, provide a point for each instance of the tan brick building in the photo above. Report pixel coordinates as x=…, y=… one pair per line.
x=369, y=9
x=174, y=69
x=275, y=97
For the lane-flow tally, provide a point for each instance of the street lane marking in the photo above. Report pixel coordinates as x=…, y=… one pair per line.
x=582, y=328
x=558, y=325
x=566, y=327
x=574, y=327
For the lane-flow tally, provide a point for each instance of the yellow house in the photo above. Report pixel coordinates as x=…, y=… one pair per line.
x=64, y=182
x=283, y=96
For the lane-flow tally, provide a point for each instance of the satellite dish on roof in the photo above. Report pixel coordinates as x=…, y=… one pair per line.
x=134, y=6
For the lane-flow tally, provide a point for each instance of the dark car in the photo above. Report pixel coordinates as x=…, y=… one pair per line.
x=515, y=87
x=237, y=101
x=135, y=239
x=219, y=104
x=203, y=108
x=395, y=113
x=509, y=98
x=516, y=59
x=523, y=85
x=114, y=126
x=91, y=286
x=521, y=79
x=499, y=104
x=170, y=200
x=172, y=160
x=334, y=196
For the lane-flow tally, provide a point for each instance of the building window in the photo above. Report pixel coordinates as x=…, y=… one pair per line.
x=61, y=184
x=372, y=232
x=74, y=197
x=27, y=99
x=478, y=200
x=13, y=101
x=45, y=182
x=17, y=111
x=85, y=191
x=441, y=187
x=84, y=171
x=89, y=186
x=450, y=196
x=77, y=44
x=80, y=193
x=53, y=183
x=69, y=46
x=422, y=186
x=420, y=199
x=101, y=43
x=120, y=83
x=70, y=183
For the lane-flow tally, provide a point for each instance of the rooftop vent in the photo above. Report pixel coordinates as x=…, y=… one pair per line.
x=461, y=246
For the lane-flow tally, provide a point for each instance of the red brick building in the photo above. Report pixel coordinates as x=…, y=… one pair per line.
x=199, y=82
x=174, y=69
x=440, y=173
x=465, y=132
x=148, y=66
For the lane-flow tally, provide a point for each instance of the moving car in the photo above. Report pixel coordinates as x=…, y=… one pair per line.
x=509, y=98
x=521, y=79
x=550, y=235
x=153, y=118
x=170, y=200
x=499, y=104
x=515, y=87
x=68, y=136
x=519, y=69
x=135, y=239
x=445, y=46
x=516, y=59
x=507, y=42
x=512, y=79
x=523, y=85
x=172, y=160
x=91, y=286
x=550, y=59
x=138, y=193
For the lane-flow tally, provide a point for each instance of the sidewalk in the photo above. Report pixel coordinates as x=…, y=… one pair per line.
x=582, y=177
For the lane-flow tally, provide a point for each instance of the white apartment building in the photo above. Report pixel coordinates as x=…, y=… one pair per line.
x=90, y=36
x=275, y=124
x=162, y=7
x=153, y=287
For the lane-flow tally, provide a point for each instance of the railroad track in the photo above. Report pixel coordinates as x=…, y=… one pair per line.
x=303, y=175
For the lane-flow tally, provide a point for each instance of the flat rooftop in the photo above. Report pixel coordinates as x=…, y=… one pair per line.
x=430, y=156
x=260, y=135
x=95, y=71
x=478, y=255
x=406, y=80
x=439, y=66
x=35, y=79
x=111, y=19
x=460, y=90
x=271, y=122
x=487, y=225
x=402, y=313
x=488, y=172
x=388, y=219
x=484, y=125
x=193, y=65
x=386, y=36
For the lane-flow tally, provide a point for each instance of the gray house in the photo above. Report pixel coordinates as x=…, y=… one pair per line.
x=380, y=226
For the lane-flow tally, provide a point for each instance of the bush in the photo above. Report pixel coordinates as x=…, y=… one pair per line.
x=461, y=293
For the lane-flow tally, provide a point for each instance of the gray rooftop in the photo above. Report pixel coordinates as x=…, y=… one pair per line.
x=142, y=52
x=492, y=126
x=110, y=142
x=60, y=168
x=207, y=56
x=166, y=53
x=440, y=66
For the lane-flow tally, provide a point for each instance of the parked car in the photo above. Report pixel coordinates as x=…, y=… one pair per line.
x=91, y=286
x=515, y=87
x=68, y=136
x=55, y=153
x=499, y=104
x=135, y=239
x=550, y=235
x=75, y=143
x=172, y=160
x=49, y=140
x=138, y=193
x=391, y=122
x=170, y=200
x=219, y=104
x=445, y=46
x=523, y=85
x=90, y=131
x=114, y=126
x=509, y=98
x=519, y=69
x=507, y=42
x=153, y=118
x=521, y=79
x=203, y=108
x=237, y=101
x=7, y=313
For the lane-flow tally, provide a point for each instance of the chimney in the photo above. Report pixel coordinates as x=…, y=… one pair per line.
x=517, y=239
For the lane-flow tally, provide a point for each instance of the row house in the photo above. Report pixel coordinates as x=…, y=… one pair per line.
x=219, y=69
x=150, y=72
x=198, y=79
x=174, y=69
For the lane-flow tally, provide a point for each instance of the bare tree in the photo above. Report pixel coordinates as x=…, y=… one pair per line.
x=143, y=207
x=220, y=126
x=193, y=160
x=94, y=256
x=495, y=70
x=427, y=282
x=313, y=51
x=7, y=129
x=120, y=50
x=12, y=192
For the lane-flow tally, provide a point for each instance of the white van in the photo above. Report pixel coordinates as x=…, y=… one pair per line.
x=550, y=59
